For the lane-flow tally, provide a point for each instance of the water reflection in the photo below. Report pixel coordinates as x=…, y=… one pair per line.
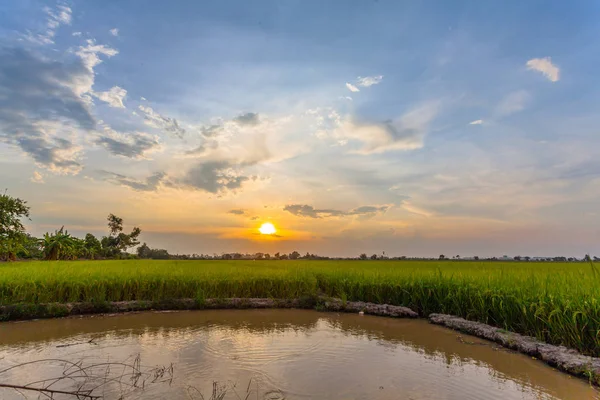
x=295, y=354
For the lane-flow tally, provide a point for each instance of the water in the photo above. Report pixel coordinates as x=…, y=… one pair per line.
x=276, y=354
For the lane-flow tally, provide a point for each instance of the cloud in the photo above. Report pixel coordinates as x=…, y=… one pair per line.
x=133, y=145
x=346, y=98
x=61, y=15
x=114, y=97
x=155, y=120
x=545, y=66
x=114, y=31
x=513, y=103
x=41, y=104
x=404, y=133
x=247, y=119
x=76, y=34
x=368, y=81
x=37, y=177
x=238, y=211
x=476, y=122
x=304, y=210
x=415, y=210
x=143, y=98
x=214, y=177
x=151, y=183
x=352, y=88
x=254, y=218
x=212, y=130
x=90, y=53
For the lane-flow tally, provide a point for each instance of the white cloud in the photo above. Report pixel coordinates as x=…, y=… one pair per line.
x=89, y=53
x=346, y=98
x=114, y=31
x=57, y=17
x=143, y=98
x=352, y=88
x=114, y=97
x=155, y=120
x=76, y=34
x=476, y=122
x=404, y=133
x=545, y=66
x=411, y=208
x=369, y=80
x=513, y=102
x=37, y=177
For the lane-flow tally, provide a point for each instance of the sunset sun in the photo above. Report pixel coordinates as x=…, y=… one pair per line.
x=267, y=229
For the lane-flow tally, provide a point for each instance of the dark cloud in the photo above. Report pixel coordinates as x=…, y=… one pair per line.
x=238, y=211
x=149, y=184
x=249, y=119
x=35, y=93
x=213, y=177
x=132, y=149
x=254, y=218
x=304, y=210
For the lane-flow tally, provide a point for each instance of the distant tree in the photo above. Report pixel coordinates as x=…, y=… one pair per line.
x=92, y=245
x=12, y=231
x=117, y=241
x=277, y=256
x=527, y=258
x=144, y=251
x=226, y=256
x=59, y=246
x=476, y=258
x=267, y=256
x=31, y=248
x=457, y=257
x=374, y=257
x=283, y=257
x=259, y=256
x=442, y=257
x=517, y=258
x=363, y=256
x=294, y=255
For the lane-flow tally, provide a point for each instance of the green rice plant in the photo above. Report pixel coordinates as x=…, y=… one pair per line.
x=555, y=302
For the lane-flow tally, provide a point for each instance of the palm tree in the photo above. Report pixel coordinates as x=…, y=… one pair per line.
x=58, y=246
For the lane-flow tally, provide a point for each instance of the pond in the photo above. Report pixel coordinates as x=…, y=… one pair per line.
x=268, y=354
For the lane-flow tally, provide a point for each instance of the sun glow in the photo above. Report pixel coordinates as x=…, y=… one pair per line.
x=267, y=229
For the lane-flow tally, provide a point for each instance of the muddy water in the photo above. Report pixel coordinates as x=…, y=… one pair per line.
x=278, y=354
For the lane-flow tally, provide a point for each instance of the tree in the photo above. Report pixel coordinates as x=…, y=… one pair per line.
x=12, y=231
x=31, y=248
x=92, y=246
x=374, y=257
x=363, y=256
x=442, y=257
x=117, y=241
x=294, y=255
x=277, y=255
x=267, y=256
x=59, y=246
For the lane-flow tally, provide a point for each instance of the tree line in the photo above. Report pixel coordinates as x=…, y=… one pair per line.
x=16, y=243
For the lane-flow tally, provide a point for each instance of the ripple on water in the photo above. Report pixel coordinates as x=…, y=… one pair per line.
x=290, y=354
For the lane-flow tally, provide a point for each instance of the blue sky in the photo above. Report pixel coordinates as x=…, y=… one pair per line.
x=410, y=128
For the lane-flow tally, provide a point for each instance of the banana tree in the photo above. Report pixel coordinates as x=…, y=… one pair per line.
x=58, y=246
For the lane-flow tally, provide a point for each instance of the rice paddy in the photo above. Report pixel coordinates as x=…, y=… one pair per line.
x=555, y=302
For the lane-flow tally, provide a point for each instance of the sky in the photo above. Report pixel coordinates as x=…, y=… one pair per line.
x=410, y=128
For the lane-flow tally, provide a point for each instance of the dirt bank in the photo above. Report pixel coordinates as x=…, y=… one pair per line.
x=52, y=310
x=567, y=360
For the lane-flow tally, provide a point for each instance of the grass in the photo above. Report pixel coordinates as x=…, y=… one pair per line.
x=555, y=302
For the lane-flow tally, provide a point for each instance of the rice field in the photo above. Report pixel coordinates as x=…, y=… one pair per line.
x=556, y=302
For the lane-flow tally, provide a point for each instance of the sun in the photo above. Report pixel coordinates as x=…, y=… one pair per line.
x=267, y=229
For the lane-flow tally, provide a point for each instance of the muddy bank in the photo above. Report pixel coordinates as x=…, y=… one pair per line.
x=53, y=310
x=567, y=360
